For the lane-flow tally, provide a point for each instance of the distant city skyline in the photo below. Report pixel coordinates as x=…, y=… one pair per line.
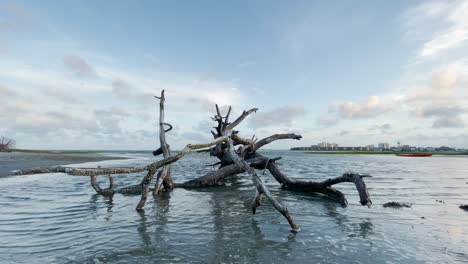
x=384, y=145
x=375, y=147
x=81, y=74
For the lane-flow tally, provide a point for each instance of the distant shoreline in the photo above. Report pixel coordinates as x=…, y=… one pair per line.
x=26, y=159
x=384, y=153
x=41, y=151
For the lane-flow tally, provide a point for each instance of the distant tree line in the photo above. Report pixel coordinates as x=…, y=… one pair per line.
x=6, y=143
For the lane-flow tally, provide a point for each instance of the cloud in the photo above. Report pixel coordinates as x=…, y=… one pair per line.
x=442, y=101
x=204, y=103
x=195, y=136
x=371, y=108
x=121, y=88
x=63, y=96
x=444, y=82
x=193, y=96
x=101, y=121
x=126, y=91
x=109, y=120
x=445, y=111
x=446, y=116
x=327, y=120
x=279, y=116
x=6, y=92
x=384, y=128
x=449, y=20
x=343, y=133
x=79, y=66
x=204, y=126
x=51, y=121
x=449, y=122
x=443, y=89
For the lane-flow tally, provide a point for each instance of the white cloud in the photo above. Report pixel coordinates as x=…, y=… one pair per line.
x=327, y=120
x=41, y=93
x=280, y=116
x=79, y=66
x=443, y=83
x=449, y=21
x=37, y=78
x=371, y=108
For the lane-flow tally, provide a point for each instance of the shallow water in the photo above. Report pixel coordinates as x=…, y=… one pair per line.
x=58, y=218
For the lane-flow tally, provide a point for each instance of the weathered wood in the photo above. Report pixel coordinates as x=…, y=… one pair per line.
x=152, y=168
x=164, y=178
x=99, y=190
x=82, y=171
x=145, y=188
x=158, y=152
x=274, y=137
x=6, y=144
x=42, y=171
x=241, y=118
x=261, y=188
x=396, y=205
x=132, y=189
x=323, y=187
x=216, y=178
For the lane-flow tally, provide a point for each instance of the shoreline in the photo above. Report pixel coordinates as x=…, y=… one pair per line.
x=22, y=160
x=383, y=153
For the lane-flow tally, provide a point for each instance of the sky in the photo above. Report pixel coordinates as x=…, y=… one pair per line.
x=82, y=74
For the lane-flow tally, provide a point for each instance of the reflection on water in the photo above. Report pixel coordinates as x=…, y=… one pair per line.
x=59, y=218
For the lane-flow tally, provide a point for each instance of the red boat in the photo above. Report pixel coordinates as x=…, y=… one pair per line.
x=415, y=155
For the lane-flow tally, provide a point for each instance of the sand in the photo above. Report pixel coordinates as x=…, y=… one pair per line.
x=10, y=161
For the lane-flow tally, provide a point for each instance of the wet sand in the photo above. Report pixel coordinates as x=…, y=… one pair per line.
x=10, y=161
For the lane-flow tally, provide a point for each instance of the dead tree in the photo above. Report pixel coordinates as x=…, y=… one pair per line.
x=232, y=161
x=6, y=144
x=164, y=176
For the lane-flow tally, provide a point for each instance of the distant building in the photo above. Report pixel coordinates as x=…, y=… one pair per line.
x=384, y=146
x=444, y=148
x=370, y=148
x=406, y=148
x=326, y=146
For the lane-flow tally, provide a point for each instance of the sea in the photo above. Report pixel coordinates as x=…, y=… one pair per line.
x=58, y=218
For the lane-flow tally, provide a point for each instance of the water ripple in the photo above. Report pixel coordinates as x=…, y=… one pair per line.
x=58, y=218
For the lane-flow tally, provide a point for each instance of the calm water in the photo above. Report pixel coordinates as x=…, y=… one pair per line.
x=58, y=218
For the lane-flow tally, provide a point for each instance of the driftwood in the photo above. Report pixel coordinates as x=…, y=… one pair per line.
x=236, y=155
x=464, y=207
x=396, y=205
x=6, y=144
x=164, y=176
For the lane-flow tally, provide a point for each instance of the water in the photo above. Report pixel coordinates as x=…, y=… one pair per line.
x=58, y=218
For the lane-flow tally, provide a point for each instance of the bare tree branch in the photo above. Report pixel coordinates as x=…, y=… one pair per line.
x=274, y=137
x=240, y=119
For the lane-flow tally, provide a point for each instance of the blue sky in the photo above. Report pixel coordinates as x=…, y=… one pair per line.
x=81, y=74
